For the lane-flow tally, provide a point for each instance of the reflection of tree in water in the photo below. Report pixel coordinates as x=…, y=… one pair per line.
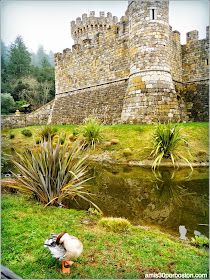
x=168, y=195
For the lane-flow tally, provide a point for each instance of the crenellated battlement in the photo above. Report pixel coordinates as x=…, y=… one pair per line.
x=89, y=27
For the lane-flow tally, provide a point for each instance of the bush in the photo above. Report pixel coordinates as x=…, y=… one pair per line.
x=7, y=103
x=91, y=131
x=4, y=159
x=166, y=139
x=200, y=241
x=127, y=152
x=46, y=131
x=26, y=132
x=115, y=224
x=53, y=172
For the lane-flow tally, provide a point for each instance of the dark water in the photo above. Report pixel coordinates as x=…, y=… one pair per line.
x=165, y=199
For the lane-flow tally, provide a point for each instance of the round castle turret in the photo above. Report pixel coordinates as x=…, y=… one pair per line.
x=89, y=27
x=150, y=95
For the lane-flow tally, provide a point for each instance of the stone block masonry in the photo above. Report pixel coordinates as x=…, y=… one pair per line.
x=104, y=101
x=38, y=117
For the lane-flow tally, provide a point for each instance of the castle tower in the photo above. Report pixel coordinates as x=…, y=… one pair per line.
x=89, y=27
x=150, y=95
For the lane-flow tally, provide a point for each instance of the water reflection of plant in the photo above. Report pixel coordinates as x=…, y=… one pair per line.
x=167, y=189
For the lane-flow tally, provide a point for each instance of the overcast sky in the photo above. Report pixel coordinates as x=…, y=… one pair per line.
x=48, y=22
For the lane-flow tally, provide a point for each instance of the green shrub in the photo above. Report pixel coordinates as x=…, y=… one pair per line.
x=5, y=129
x=91, y=131
x=127, y=152
x=7, y=103
x=46, y=131
x=26, y=132
x=4, y=159
x=52, y=172
x=95, y=213
x=166, y=139
x=199, y=241
x=115, y=224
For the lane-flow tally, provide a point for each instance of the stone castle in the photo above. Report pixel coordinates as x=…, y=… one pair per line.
x=131, y=71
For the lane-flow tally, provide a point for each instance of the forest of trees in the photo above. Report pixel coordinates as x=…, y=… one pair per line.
x=26, y=77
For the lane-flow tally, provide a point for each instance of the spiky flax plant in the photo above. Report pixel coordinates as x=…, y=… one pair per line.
x=166, y=143
x=91, y=130
x=52, y=171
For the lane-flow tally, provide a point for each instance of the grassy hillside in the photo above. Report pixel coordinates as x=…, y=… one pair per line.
x=127, y=254
x=136, y=138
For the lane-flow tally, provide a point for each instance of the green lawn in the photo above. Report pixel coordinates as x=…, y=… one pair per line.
x=135, y=137
x=130, y=254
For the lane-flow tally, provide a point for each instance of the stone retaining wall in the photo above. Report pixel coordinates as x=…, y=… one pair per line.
x=104, y=101
x=38, y=117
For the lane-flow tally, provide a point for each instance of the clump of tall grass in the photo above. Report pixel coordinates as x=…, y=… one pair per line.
x=115, y=224
x=26, y=132
x=200, y=241
x=91, y=131
x=46, y=131
x=166, y=143
x=52, y=171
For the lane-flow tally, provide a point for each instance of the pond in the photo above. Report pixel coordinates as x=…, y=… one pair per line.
x=166, y=199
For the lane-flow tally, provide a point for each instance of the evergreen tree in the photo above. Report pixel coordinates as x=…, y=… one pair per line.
x=40, y=55
x=51, y=58
x=45, y=63
x=4, y=52
x=19, y=60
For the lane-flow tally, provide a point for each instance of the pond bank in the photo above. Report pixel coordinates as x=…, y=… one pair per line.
x=106, y=159
x=130, y=254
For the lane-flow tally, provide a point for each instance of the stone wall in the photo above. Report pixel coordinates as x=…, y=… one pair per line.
x=104, y=101
x=195, y=96
x=195, y=55
x=38, y=117
x=175, y=52
x=93, y=63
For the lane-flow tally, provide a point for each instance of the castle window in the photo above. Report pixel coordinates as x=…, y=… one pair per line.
x=207, y=61
x=91, y=27
x=153, y=14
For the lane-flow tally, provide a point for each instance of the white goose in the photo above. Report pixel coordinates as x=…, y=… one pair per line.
x=64, y=247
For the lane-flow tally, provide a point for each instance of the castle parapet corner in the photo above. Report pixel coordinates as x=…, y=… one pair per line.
x=67, y=50
x=192, y=36
x=207, y=32
x=76, y=48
